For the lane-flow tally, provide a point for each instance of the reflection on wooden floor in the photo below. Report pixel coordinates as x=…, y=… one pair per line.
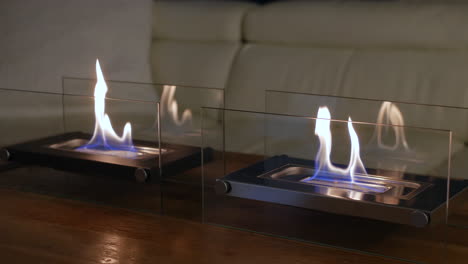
x=40, y=229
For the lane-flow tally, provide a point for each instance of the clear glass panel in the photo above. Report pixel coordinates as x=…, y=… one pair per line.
x=25, y=116
x=397, y=113
x=328, y=181
x=180, y=128
x=401, y=113
x=117, y=89
x=75, y=146
x=29, y=115
x=181, y=131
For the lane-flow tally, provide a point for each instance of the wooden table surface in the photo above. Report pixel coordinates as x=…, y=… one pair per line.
x=42, y=229
x=35, y=228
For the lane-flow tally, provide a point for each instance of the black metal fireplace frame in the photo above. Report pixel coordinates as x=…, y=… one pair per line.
x=39, y=152
x=419, y=211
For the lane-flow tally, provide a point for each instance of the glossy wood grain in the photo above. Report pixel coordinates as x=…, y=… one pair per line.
x=40, y=229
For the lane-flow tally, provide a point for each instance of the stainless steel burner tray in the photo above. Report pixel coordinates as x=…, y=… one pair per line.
x=412, y=199
x=341, y=186
x=142, y=152
x=60, y=152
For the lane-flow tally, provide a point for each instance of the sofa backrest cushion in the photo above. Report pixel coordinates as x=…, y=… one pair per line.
x=385, y=24
x=377, y=50
x=195, y=42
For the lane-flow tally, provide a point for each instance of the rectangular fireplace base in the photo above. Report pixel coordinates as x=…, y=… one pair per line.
x=140, y=152
x=61, y=152
x=411, y=199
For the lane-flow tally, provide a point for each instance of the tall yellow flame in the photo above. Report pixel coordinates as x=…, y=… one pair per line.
x=104, y=136
x=322, y=159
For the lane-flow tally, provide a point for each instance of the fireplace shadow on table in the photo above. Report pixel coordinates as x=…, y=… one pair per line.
x=177, y=192
x=347, y=232
x=96, y=188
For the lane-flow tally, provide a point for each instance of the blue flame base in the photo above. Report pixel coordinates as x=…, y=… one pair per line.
x=123, y=151
x=100, y=143
x=101, y=147
x=310, y=176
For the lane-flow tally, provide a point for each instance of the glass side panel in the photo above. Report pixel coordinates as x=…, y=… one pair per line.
x=117, y=89
x=180, y=130
x=396, y=113
x=328, y=181
x=406, y=114
x=81, y=147
x=29, y=115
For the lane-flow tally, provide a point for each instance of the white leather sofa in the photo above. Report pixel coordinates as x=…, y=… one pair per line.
x=401, y=51
x=390, y=50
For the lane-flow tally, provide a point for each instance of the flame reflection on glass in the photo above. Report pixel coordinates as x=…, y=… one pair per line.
x=170, y=107
x=324, y=168
x=104, y=137
x=390, y=114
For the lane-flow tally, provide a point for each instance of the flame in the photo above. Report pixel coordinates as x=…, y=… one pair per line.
x=323, y=164
x=389, y=113
x=170, y=107
x=104, y=136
